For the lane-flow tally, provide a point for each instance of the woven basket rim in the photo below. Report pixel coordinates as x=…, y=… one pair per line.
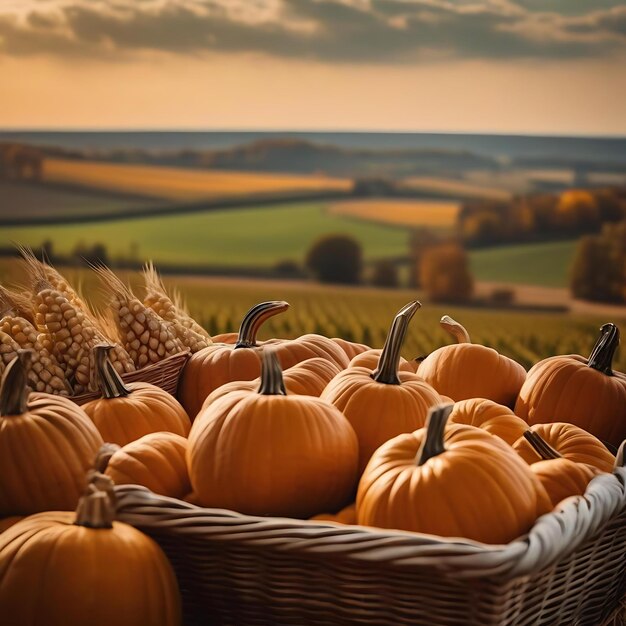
x=553, y=537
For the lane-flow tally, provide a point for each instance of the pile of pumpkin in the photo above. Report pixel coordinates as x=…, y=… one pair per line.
x=462, y=443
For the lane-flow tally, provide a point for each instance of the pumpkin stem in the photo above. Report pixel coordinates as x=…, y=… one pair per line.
x=541, y=446
x=433, y=445
x=96, y=507
x=455, y=329
x=620, y=457
x=106, y=451
x=272, y=383
x=107, y=378
x=255, y=318
x=601, y=357
x=387, y=370
x=14, y=390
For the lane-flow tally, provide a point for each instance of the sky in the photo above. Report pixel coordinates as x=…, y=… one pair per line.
x=504, y=66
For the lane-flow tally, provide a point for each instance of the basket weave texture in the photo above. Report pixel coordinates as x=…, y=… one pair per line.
x=237, y=569
x=164, y=374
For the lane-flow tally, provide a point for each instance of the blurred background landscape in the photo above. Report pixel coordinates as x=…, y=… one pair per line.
x=478, y=158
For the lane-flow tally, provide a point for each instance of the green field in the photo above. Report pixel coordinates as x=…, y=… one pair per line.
x=258, y=237
x=545, y=264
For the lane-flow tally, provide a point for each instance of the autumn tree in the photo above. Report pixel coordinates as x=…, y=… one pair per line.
x=335, y=259
x=385, y=274
x=578, y=211
x=445, y=274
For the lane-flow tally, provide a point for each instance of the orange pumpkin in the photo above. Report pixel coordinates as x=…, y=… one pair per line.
x=7, y=522
x=350, y=347
x=156, y=461
x=584, y=392
x=468, y=370
x=266, y=453
x=47, y=443
x=221, y=363
x=569, y=441
x=347, y=515
x=458, y=481
x=560, y=477
x=371, y=357
x=383, y=403
x=85, y=568
x=126, y=412
x=495, y=418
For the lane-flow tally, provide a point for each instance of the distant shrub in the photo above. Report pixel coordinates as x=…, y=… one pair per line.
x=288, y=268
x=384, y=274
x=502, y=296
x=445, y=275
x=335, y=259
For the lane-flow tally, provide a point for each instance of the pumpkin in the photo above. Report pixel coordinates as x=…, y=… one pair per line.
x=495, y=418
x=569, y=441
x=47, y=443
x=156, y=461
x=267, y=453
x=370, y=359
x=85, y=568
x=559, y=476
x=584, y=392
x=458, y=481
x=347, y=515
x=221, y=363
x=468, y=370
x=383, y=403
x=7, y=522
x=350, y=347
x=126, y=412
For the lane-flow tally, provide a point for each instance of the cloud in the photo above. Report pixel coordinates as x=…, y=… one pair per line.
x=350, y=31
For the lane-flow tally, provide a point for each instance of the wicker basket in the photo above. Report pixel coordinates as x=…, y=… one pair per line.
x=240, y=570
x=164, y=374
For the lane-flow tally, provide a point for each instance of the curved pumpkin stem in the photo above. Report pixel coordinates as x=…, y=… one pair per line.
x=455, y=329
x=272, y=383
x=106, y=451
x=96, y=507
x=433, y=445
x=387, y=370
x=108, y=380
x=255, y=318
x=14, y=390
x=541, y=446
x=601, y=357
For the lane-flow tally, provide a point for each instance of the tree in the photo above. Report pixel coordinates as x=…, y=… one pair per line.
x=445, y=274
x=385, y=274
x=594, y=275
x=335, y=259
x=578, y=211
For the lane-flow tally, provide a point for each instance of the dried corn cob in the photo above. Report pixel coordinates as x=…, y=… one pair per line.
x=74, y=335
x=147, y=337
x=45, y=374
x=188, y=331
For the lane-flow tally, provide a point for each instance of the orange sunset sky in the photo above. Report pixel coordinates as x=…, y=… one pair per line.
x=556, y=66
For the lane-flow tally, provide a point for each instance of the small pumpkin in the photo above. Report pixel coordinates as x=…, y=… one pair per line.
x=560, y=477
x=370, y=358
x=47, y=443
x=156, y=461
x=468, y=370
x=221, y=363
x=458, y=481
x=267, y=453
x=126, y=412
x=347, y=515
x=86, y=568
x=584, y=392
x=350, y=347
x=495, y=418
x=569, y=441
x=383, y=403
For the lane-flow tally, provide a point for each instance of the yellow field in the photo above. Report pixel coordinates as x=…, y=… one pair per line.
x=466, y=189
x=180, y=184
x=429, y=213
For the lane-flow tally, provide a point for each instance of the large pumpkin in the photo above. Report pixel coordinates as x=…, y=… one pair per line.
x=468, y=370
x=559, y=476
x=495, y=418
x=383, y=403
x=221, y=363
x=47, y=443
x=156, y=461
x=569, y=441
x=458, y=481
x=585, y=392
x=267, y=453
x=73, y=569
x=126, y=412
x=369, y=359
x=350, y=347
